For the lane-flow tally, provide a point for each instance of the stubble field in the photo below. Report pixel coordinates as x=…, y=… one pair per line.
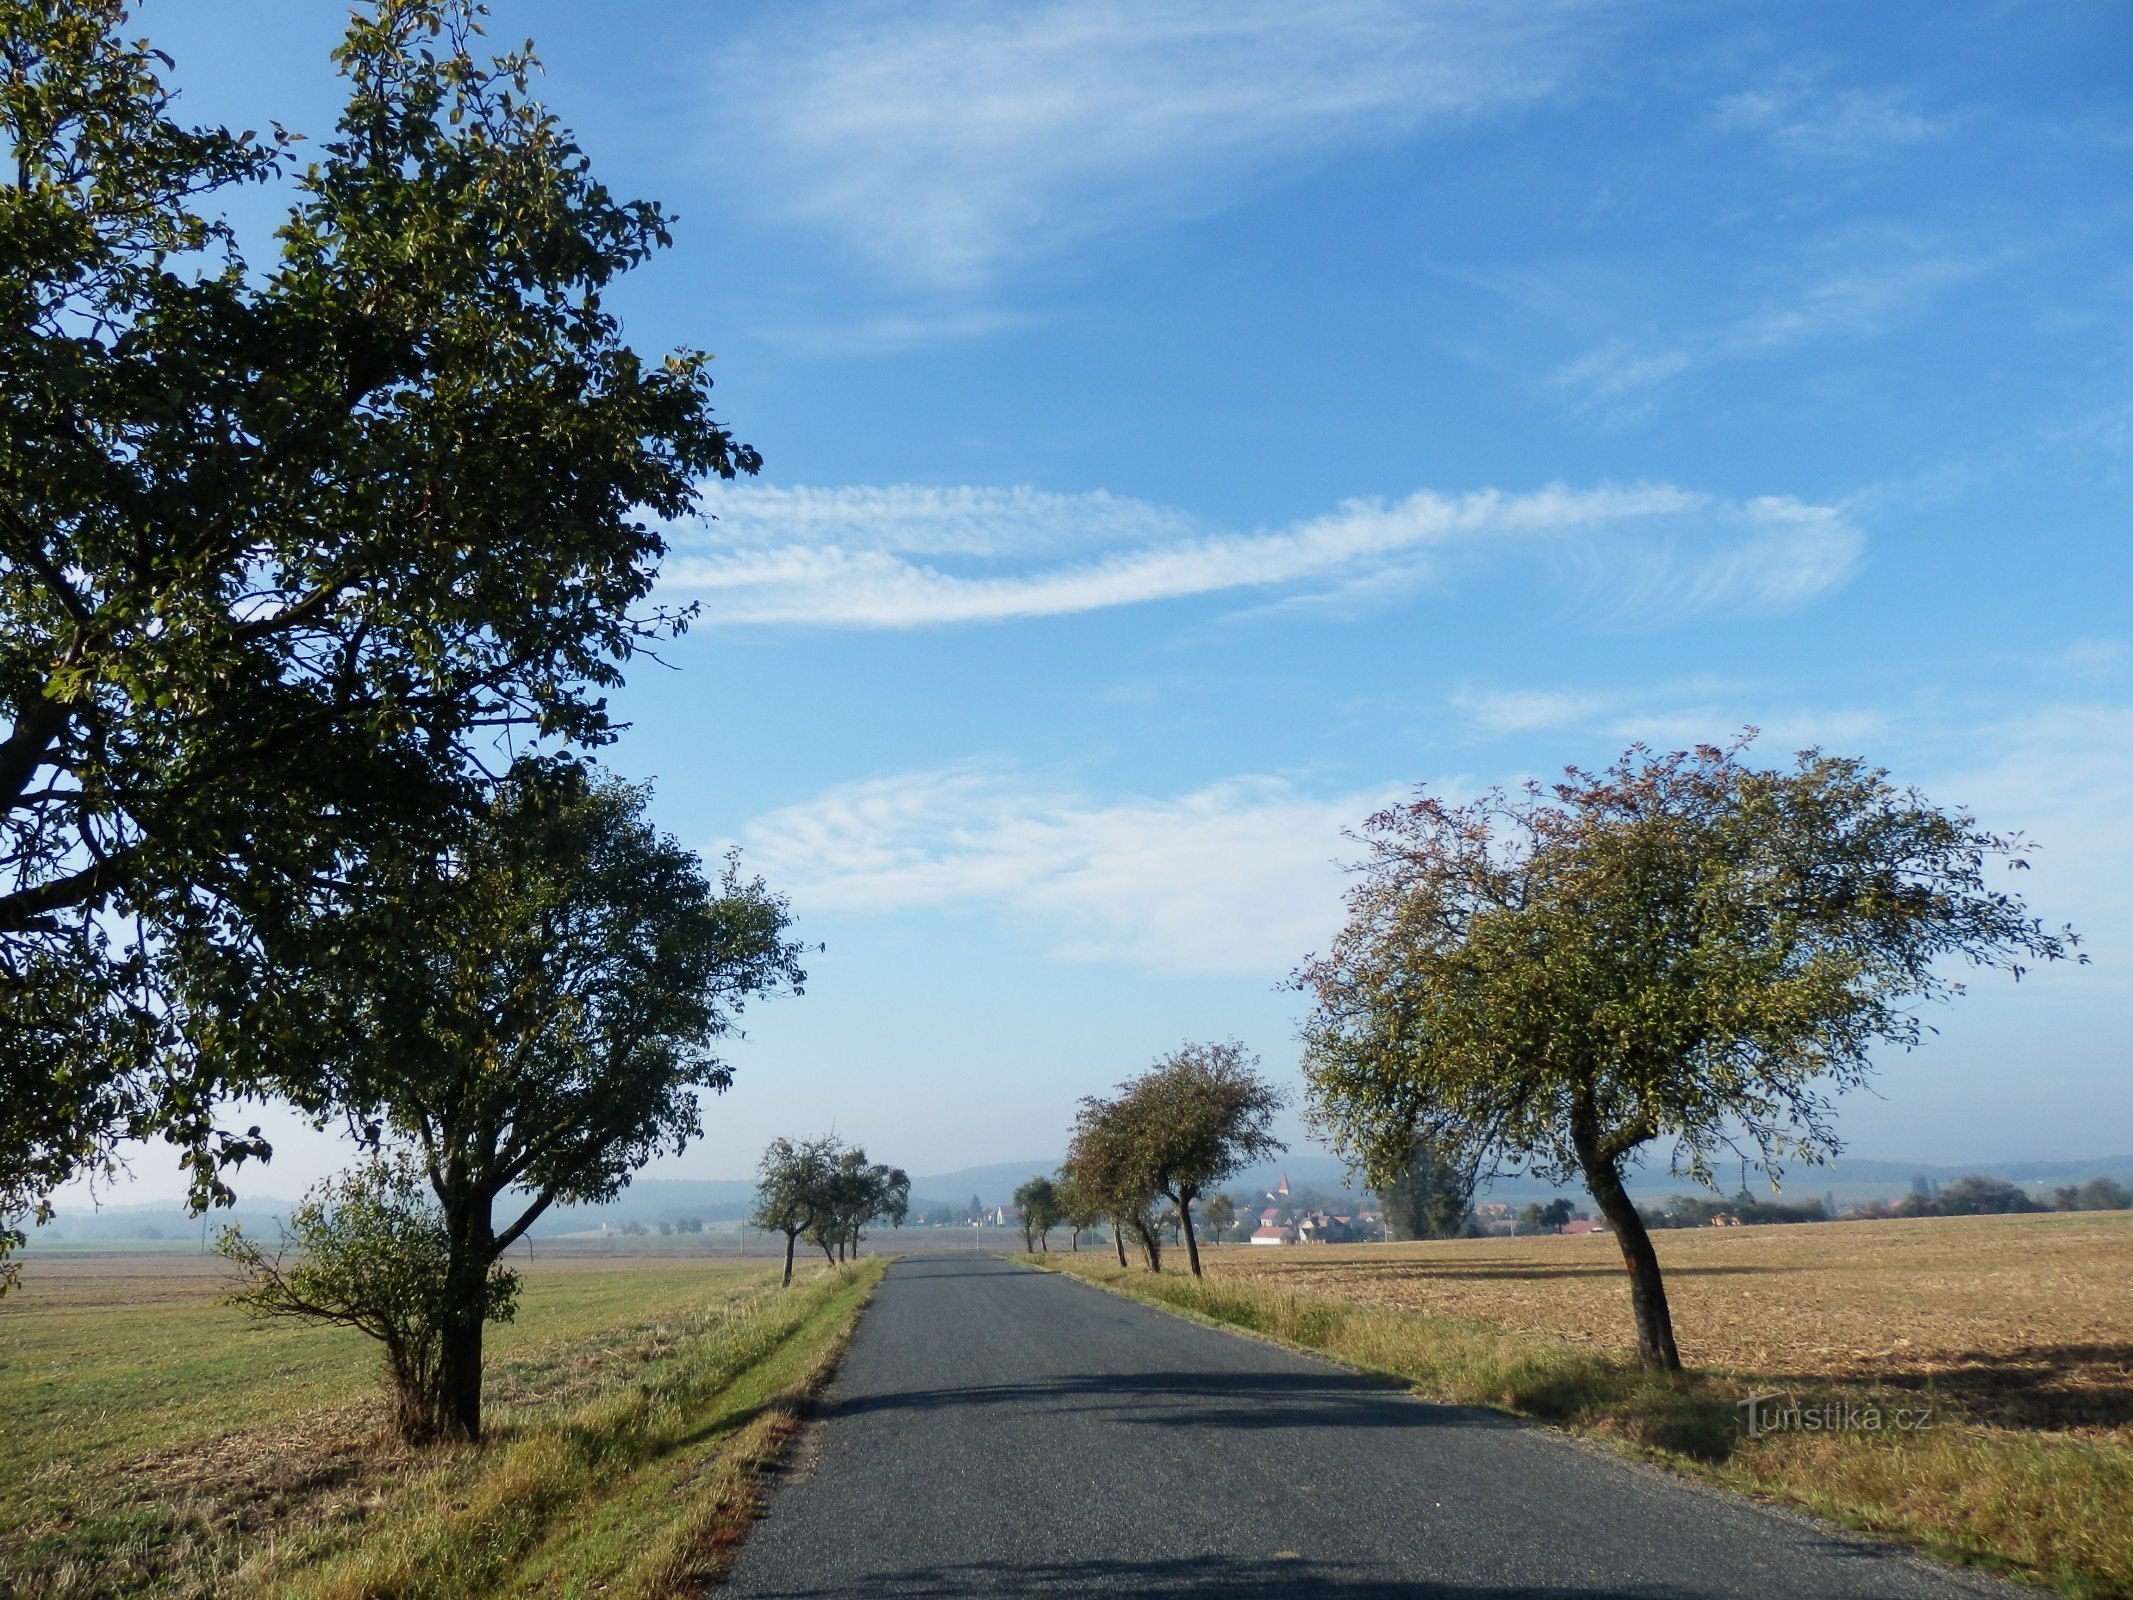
x=2026, y=1321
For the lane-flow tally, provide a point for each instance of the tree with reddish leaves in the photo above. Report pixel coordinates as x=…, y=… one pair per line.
x=1683, y=949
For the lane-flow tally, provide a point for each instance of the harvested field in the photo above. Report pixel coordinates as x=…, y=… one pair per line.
x=2026, y=1321
x=153, y=1442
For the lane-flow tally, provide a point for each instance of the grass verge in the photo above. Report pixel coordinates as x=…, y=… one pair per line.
x=172, y=1452
x=2051, y=1508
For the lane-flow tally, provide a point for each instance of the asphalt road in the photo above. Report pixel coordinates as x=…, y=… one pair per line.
x=996, y=1430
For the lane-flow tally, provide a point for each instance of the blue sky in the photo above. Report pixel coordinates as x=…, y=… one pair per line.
x=1188, y=425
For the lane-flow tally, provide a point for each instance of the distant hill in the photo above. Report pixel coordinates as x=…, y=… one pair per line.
x=1853, y=1179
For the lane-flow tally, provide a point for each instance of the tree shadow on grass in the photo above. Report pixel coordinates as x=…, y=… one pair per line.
x=2038, y=1387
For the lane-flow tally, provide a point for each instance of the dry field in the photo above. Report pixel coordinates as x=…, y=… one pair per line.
x=2027, y=1321
x=154, y=1443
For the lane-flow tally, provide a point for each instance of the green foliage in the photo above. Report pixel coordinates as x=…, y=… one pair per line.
x=1701, y=1210
x=1218, y=1212
x=1537, y=1218
x=1975, y=1195
x=1194, y=1118
x=827, y=1192
x=2098, y=1194
x=1432, y=1199
x=372, y=1253
x=282, y=542
x=1038, y=1202
x=535, y=1006
x=539, y=1002
x=854, y=1194
x=1107, y=1178
x=1682, y=948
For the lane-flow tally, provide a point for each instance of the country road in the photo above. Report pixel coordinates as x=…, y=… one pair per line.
x=996, y=1430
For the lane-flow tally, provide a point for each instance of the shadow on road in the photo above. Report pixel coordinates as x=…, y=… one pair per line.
x=1187, y=1578
x=1193, y=1399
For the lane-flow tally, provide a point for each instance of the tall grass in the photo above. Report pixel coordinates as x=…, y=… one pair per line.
x=2053, y=1507
x=629, y=1494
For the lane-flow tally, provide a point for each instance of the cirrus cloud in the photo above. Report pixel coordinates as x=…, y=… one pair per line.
x=910, y=556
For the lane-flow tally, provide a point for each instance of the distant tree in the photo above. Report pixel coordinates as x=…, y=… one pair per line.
x=977, y=1209
x=285, y=541
x=792, y=1185
x=1077, y=1209
x=1537, y=1218
x=1975, y=1194
x=535, y=1005
x=855, y=1193
x=1682, y=947
x=371, y=1250
x=1038, y=1202
x=1702, y=1210
x=1194, y=1118
x=1104, y=1165
x=2098, y=1194
x=1217, y=1211
x=1432, y=1199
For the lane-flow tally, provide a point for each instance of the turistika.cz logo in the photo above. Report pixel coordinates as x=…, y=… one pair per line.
x=1777, y=1413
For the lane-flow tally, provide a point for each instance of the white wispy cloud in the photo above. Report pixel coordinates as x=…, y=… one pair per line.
x=1800, y=117
x=1854, y=285
x=1504, y=711
x=907, y=556
x=942, y=140
x=1239, y=878
x=1243, y=877
x=1669, y=716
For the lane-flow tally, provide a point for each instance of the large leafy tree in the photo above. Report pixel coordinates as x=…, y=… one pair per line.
x=1683, y=950
x=1196, y=1117
x=285, y=542
x=535, y=1009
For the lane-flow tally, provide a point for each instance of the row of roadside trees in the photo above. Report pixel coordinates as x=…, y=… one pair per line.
x=828, y=1193
x=1683, y=955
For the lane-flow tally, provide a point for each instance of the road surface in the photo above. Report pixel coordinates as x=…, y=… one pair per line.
x=1000, y=1431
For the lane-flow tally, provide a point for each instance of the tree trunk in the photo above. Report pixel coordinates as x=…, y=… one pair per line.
x=790, y=1239
x=1184, y=1198
x=1151, y=1246
x=1118, y=1241
x=1647, y=1290
x=472, y=1248
x=459, y=1376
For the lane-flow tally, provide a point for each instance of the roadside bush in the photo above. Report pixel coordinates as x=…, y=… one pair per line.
x=371, y=1253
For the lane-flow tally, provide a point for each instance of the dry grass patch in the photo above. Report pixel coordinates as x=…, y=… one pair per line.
x=2025, y=1321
